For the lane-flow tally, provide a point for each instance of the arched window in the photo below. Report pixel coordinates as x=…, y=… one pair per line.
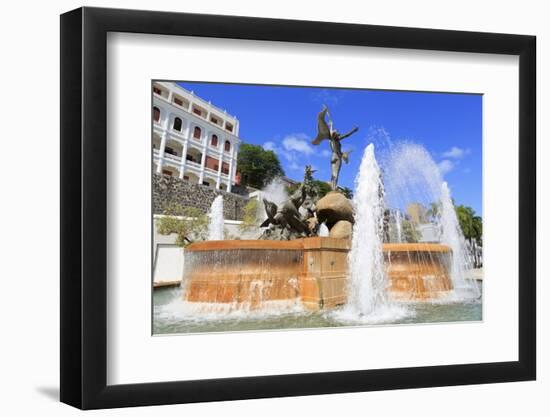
x=197, y=133
x=177, y=124
x=214, y=141
x=227, y=146
x=156, y=114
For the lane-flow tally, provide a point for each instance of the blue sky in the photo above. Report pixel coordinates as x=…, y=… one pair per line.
x=284, y=119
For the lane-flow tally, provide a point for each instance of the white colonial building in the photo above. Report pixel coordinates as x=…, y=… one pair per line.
x=193, y=139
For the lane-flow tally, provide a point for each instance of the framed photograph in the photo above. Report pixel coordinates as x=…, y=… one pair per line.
x=256, y=208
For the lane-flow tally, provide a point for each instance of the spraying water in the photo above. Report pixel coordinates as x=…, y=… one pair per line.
x=275, y=192
x=323, y=230
x=412, y=176
x=451, y=235
x=215, y=219
x=367, y=277
x=398, y=226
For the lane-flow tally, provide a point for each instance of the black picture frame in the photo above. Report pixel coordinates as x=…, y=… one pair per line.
x=84, y=207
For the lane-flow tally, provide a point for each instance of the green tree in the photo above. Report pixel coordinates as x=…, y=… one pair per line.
x=189, y=223
x=250, y=215
x=320, y=187
x=470, y=224
x=410, y=233
x=433, y=211
x=347, y=192
x=258, y=166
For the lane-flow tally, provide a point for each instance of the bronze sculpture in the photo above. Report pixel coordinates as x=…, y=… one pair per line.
x=326, y=131
x=297, y=217
x=287, y=222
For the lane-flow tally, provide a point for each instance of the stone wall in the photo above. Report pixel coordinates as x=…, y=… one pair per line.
x=168, y=191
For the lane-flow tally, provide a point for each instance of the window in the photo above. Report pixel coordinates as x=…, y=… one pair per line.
x=157, y=90
x=229, y=127
x=197, y=111
x=206, y=183
x=214, y=120
x=190, y=158
x=214, y=141
x=156, y=114
x=177, y=124
x=178, y=101
x=225, y=168
x=227, y=146
x=169, y=150
x=185, y=177
x=197, y=133
x=166, y=172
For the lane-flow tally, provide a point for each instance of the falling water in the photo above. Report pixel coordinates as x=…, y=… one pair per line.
x=451, y=235
x=412, y=176
x=368, y=281
x=323, y=230
x=215, y=219
x=275, y=192
x=398, y=226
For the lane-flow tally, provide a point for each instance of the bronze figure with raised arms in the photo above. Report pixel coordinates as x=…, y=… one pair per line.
x=326, y=131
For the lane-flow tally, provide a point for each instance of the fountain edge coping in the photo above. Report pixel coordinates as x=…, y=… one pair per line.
x=308, y=244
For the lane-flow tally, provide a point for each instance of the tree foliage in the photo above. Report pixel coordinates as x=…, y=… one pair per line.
x=250, y=215
x=189, y=223
x=434, y=211
x=347, y=192
x=320, y=187
x=410, y=233
x=470, y=223
x=258, y=166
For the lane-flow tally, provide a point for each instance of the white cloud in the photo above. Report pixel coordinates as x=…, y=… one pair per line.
x=270, y=146
x=446, y=166
x=296, y=151
x=456, y=153
x=299, y=143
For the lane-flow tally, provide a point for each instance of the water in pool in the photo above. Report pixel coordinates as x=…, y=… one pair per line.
x=171, y=315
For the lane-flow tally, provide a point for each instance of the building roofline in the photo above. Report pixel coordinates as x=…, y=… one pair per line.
x=205, y=102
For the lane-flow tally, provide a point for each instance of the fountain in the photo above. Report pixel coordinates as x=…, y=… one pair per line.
x=413, y=176
x=367, y=282
x=215, y=219
x=398, y=226
x=329, y=253
x=452, y=236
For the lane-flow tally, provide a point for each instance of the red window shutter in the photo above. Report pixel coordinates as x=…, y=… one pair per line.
x=197, y=132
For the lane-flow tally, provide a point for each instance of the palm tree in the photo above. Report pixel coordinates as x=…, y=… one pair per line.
x=471, y=225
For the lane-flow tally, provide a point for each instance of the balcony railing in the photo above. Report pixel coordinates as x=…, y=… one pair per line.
x=192, y=163
x=172, y=157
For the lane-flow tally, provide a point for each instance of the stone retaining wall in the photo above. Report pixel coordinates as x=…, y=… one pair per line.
x=168, y=191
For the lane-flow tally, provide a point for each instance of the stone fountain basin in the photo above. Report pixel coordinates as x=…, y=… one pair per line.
x=313, y=271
